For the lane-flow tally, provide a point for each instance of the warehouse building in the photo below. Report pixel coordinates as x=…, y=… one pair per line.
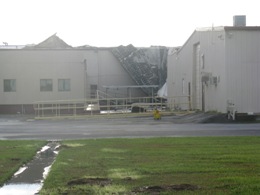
x=53, y=70
x=217, y=69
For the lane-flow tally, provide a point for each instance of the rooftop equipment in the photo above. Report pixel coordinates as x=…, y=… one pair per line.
x=239, y=20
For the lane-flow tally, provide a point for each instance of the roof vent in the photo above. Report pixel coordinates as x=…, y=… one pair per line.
x=239, y=20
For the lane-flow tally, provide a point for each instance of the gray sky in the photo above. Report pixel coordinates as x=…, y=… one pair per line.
x=117, y=22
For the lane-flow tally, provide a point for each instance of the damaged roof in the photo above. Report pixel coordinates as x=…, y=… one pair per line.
x=53, y=42
x=146, y=66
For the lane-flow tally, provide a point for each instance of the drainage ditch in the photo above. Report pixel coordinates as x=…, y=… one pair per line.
x=29, y=178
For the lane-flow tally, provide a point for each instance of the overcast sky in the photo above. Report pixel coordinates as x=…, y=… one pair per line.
x=106, y=23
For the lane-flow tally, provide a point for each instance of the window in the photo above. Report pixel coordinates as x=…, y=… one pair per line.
x=9, y=85
x=183, y=86
x=93, y=91
x=46, y=84
x=64, y=84
x=202, y=61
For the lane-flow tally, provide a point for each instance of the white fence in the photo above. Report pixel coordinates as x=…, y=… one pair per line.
x=109, y=106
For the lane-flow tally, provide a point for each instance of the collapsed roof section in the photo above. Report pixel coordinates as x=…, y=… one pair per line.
x=146, y=66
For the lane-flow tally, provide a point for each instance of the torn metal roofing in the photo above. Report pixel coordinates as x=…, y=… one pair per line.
x=146, y=66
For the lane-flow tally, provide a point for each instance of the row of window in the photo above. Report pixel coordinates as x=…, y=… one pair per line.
x=45, y=85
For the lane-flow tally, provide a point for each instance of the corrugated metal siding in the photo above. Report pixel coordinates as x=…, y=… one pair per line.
x=170, y=72
x=181, y=77
x=233, y=57
x=212, y=49
x=196, y=74
x=243, y=67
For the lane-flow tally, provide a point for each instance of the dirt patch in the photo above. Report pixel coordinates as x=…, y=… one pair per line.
x=90, y=181
x=142, y=190
x=15, y=159
x=159, y=189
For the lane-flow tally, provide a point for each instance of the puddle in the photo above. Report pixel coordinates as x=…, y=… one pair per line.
x=29, y=178
x=21, y=189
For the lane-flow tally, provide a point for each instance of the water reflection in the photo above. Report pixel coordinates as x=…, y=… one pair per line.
x=22, y=169
x=20, y=189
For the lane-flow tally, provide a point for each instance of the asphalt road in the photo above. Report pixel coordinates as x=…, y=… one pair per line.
x=19, y=128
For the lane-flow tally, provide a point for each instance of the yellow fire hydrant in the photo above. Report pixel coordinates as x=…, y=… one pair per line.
x=156, y=115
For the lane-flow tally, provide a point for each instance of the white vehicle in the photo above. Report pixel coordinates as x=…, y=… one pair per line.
x=92, y=107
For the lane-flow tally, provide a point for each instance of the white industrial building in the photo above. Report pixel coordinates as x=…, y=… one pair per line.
x=53, y=70
x=217, y=69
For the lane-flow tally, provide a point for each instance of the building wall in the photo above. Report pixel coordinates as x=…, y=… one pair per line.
x=230, y=58
x=109, y=72
x=202, y=54
x=27, y=67
x=243, y=68
x=178, y=78
x=170, y=74
x=213, y=54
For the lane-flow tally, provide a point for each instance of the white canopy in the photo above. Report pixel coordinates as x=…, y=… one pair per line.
x=163, y=91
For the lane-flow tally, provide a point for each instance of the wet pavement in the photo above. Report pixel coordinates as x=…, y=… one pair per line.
x=89, y=128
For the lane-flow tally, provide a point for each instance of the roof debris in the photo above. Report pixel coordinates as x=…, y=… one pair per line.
x=53, y=42
x=146, y=66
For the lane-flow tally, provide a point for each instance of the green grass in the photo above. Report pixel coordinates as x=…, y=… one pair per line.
x=13, y=154
x=216, y=165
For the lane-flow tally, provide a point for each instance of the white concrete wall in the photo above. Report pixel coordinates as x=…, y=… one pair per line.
x=29, y=66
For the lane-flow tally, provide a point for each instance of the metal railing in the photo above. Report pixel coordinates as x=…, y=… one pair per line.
x=110, y=106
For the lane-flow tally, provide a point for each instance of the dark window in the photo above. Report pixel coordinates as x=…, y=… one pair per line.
x=9, y=85
x=64, y=84
x=46, y=84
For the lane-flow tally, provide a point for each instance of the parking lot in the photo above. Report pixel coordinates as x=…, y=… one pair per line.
x=26, y=127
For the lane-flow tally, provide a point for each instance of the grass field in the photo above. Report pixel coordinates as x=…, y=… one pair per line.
x=208, y=165
x=13, y=154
